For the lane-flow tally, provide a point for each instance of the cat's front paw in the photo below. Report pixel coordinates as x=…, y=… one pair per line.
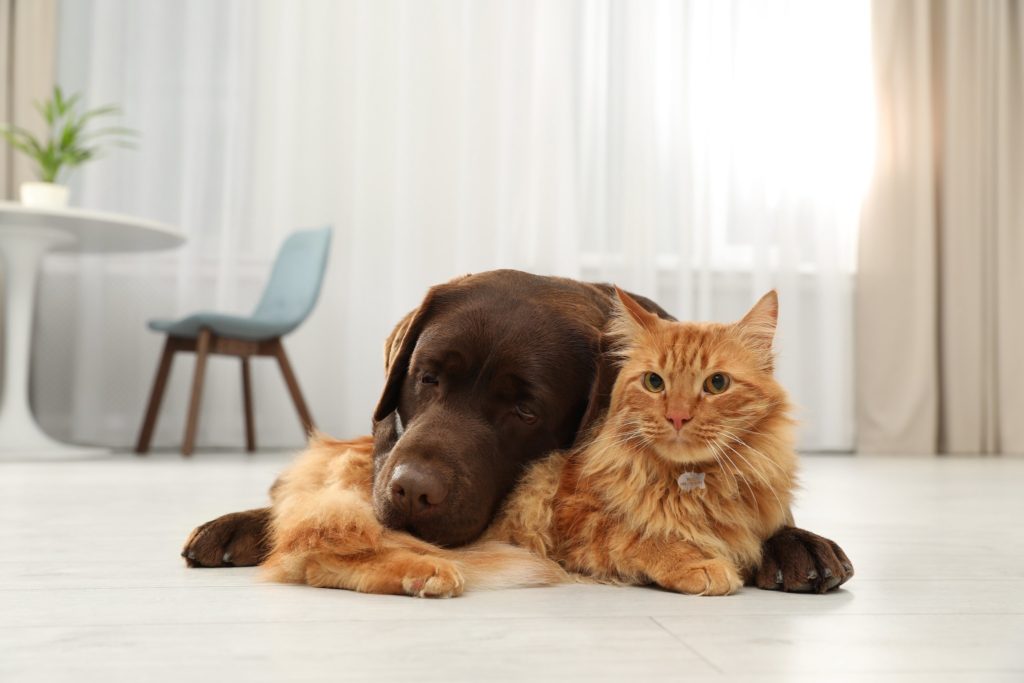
x=707, y=577
x=433, y=578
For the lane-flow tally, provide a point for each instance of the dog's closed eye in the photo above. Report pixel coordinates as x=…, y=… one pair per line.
x=526, y=414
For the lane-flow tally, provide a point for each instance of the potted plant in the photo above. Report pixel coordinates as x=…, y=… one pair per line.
x=67, y=144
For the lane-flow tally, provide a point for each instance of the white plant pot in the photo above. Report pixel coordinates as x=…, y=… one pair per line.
x=44, y=195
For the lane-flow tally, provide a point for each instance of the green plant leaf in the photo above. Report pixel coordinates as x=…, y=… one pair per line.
x=58, y=100
x=67, y=143
x=20, y=145
x=22, y=140
x=67, y=136
x=71, y=102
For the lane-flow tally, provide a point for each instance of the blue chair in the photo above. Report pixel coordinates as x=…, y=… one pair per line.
x=288, y=299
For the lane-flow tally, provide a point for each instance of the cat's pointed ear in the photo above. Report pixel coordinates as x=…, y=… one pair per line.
x=758, y=325
x=632, y=316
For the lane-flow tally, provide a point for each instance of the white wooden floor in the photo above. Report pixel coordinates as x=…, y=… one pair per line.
x=92, y=588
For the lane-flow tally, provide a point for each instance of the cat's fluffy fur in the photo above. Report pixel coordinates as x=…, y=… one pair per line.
x=612, y=511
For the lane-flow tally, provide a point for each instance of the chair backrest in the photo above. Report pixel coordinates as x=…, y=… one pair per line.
x=295, y=281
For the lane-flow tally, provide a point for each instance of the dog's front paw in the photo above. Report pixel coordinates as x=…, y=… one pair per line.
x=798, y=561
x=235, y=540
x=433, y=578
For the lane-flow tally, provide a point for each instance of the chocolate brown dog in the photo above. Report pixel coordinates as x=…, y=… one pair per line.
x=491, y=372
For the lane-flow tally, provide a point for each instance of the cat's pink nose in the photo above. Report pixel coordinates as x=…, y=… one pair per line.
x=678, y=418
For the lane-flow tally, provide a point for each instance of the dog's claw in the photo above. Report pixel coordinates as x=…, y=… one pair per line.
x=778, y=577
x=827, y=573
x=191, y=555
x=226, y=558
x=812, y=575
x=830, y=584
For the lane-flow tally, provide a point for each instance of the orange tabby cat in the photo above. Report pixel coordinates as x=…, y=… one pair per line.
x=692, y=468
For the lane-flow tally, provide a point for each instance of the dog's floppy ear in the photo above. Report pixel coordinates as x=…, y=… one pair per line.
x=606, y=370
x=394, y=341
x=398, y=350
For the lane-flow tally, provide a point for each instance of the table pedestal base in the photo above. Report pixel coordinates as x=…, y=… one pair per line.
x=22, y=250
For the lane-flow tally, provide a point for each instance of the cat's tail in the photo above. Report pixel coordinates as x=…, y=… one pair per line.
x=492, y=565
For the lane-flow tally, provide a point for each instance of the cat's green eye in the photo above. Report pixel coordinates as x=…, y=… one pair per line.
x=653, y=382
x=716, y=383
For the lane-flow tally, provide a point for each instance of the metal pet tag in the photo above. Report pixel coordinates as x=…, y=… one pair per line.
x=689, y=481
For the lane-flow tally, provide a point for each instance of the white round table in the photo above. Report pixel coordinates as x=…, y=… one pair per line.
x=26, y=235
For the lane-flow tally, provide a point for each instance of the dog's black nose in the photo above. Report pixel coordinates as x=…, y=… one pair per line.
x=416, y=489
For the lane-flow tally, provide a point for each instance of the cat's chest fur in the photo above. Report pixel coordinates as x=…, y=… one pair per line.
x=664, y=506
x=709, y=509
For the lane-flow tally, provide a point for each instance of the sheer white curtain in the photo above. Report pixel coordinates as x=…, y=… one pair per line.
x=724, y=150
x=699, y=153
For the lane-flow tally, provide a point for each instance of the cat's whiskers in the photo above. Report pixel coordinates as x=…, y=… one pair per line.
x=718, y=461
x=738, y=473
x=630, y=434
x=752, y=451
x=714, y=454
x=767, y=485
x=763, y=458
x=621, y=430
x=612, y=440
x=754, y=419
x=716, y=449
x=753, y=468
x=751, y=432
x=626, y=432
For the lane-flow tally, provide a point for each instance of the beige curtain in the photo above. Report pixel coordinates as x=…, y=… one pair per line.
x=940, y=289
x=28, y=30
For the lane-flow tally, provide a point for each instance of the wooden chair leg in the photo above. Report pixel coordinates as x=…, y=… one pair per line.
x=293, y=386
x=250, y=427
x=156, y=396
x=202, y=351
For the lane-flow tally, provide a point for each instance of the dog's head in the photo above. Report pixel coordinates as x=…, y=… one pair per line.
x=490, y=372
